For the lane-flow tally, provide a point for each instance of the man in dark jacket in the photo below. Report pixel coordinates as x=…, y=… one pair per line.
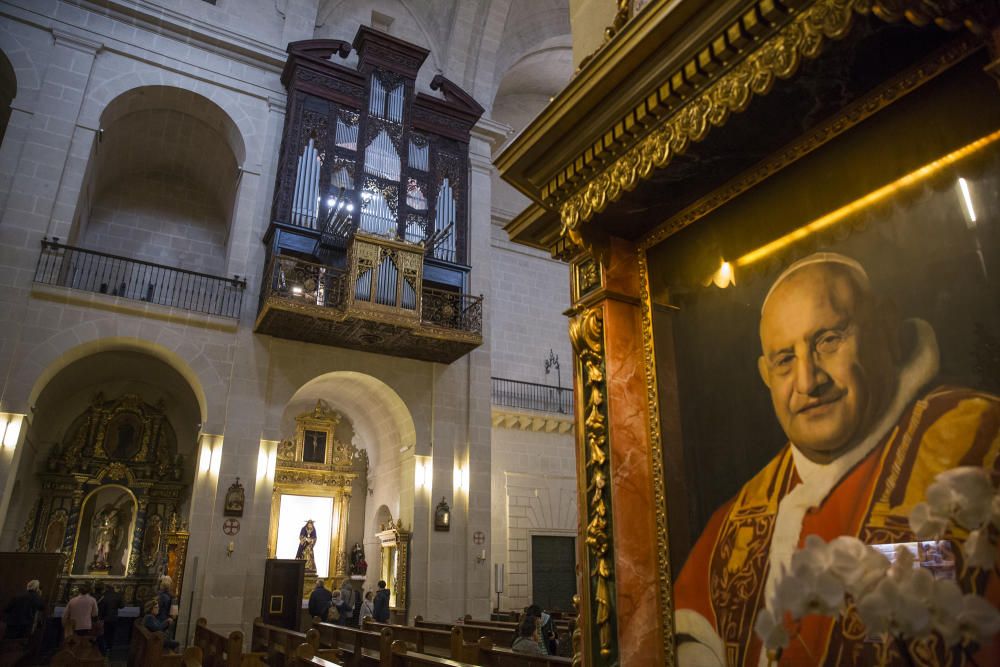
x=21, y=610
x=319, y=601
x=382, y=603
x=109, y=601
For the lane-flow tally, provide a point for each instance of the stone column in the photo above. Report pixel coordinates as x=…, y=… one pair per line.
x=618, y=504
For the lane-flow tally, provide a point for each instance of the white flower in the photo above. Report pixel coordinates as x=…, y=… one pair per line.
x=971, y=495
x=946, y=603
x=771, y=630
x=809, y=586
x=927, y=524
x=858, y=566
x=895, y=608
x=979, y=549
x=978, y=621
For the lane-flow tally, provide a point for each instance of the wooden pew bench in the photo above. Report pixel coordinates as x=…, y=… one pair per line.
x=402, y=656
x=489, y=655
x=279, y=644
x=357, y=647
x=146, y=650
x=305, y=657
x=224, y=651
x=420, y=640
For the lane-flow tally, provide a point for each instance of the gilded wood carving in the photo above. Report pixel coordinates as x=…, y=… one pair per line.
x=587, y=335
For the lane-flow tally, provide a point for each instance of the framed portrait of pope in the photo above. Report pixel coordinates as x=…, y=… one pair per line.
x=827, y=347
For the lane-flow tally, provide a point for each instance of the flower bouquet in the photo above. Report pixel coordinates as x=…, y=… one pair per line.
x=898, y=601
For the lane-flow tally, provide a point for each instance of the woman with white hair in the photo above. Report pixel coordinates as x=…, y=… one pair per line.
x=20, y=612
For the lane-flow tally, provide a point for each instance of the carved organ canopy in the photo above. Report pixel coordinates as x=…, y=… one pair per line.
x=366, y=143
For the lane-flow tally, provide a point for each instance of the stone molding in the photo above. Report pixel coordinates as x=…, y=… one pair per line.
x=76, y=42
x=531, y=421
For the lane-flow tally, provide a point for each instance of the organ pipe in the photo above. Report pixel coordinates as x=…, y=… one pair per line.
x=305, y=200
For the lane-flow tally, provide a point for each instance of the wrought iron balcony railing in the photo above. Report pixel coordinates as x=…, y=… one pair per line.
x=92, y=271
x=531, y=396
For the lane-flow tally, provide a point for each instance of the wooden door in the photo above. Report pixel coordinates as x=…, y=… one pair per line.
x=282, y=600
x=553, y=572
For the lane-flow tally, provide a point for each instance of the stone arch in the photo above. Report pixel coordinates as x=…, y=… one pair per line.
x=383, y=426
x=127, y=76
x=8, y=91
x=46, y=359
x=23, y=56
x=162, y=181
x=377, y=412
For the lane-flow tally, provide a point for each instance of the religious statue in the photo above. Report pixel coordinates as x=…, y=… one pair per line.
x=358, y=563
x=106, y=531
x=307, y=539
x=235, y=498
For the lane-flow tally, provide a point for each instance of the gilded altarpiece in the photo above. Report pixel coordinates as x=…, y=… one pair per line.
x=311, y=500
x=110, y=497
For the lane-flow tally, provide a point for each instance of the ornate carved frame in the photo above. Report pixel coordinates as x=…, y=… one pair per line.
x=331, y=479
x=768, y=41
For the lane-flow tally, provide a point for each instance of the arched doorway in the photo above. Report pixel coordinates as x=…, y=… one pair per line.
x=358, y=418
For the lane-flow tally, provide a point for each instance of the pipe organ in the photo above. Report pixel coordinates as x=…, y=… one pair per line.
x=371, y=204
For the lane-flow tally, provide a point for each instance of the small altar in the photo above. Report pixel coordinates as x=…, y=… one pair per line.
x=314, y=481
x=110, y=501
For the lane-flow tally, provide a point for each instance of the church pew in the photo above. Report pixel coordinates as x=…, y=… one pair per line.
x=79, y=652
x=306, y=656
x=279, y=643
x=359, y=647
x=224, y=651
x=403, y=656
x=561, y=624
x=421, y=640
x=489, y=655
x=146, y=650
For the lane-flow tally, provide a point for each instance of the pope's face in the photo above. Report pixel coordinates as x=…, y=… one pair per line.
x=826, y=362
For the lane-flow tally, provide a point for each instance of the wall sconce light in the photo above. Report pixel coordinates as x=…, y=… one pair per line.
x=442, y=516
x=10, y=430
x=423, y=474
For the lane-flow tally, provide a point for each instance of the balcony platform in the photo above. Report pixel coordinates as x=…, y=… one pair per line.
x=286, y=318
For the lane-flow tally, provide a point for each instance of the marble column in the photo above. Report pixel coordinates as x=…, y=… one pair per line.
x=620, y=610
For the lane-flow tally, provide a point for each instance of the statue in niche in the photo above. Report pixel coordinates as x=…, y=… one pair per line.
x=358, y=563
x=307, y=540
x=106, y=533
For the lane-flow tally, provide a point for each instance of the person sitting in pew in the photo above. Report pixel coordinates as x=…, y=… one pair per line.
x=152, y=623
x=528, y=639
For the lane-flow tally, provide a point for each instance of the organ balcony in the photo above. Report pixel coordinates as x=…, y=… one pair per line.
x=379, y=303
x=368, y=242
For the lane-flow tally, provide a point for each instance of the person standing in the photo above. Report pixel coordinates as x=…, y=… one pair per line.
x=81, y=610
x=108, y=603
x=367, y=609
x=20, y=612
x=319, y=601
x=381, y=605
x=347, y=602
